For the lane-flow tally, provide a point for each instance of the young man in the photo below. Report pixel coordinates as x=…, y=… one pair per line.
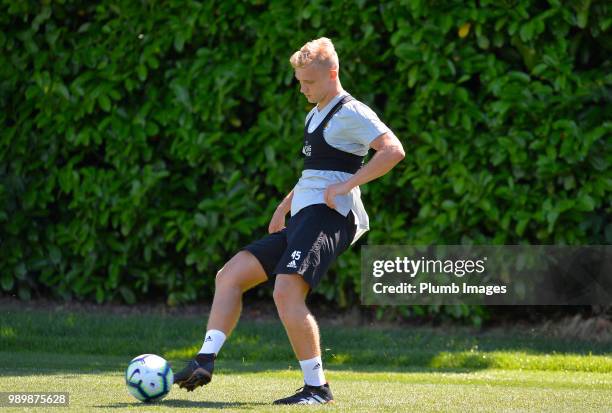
x=327, y=216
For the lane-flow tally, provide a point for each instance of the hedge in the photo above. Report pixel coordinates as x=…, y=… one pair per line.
x=145, y=142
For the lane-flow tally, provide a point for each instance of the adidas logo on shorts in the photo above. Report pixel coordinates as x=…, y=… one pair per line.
x=292, y=264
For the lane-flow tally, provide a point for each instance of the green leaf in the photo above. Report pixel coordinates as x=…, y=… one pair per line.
x=179, y=41
x=585, y=203
x=539, y=69
x=55, y=254
x=483, y=42
x=7, y=282
x=521, y=225
x=104, y=103
x=99, y=295
x=526, y=32
x=200, y=220
x=413, y=76
x=182, y=95
x=128, y=295
x=141, y=71
x=151, y=129
x=520, y=76
x=21, y=271
x=583, y=13
x=113, y=275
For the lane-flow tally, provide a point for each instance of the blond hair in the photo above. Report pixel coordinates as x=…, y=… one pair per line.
x=320, y=51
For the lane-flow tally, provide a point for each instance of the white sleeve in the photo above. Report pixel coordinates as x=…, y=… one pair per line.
x=363, y=125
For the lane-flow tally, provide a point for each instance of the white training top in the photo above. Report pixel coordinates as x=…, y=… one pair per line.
x=351, y=129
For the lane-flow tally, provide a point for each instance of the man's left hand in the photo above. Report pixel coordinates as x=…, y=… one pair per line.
x=334, y=190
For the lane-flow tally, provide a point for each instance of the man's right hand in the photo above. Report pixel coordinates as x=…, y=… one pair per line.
x=277, y=223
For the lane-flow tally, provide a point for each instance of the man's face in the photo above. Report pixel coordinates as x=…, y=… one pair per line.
x=315, y=81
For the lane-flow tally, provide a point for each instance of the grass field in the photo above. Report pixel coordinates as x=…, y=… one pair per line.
x=370, y=369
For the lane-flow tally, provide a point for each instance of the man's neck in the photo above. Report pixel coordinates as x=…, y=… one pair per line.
x=328, y=98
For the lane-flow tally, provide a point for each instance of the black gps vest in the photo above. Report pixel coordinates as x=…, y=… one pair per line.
x=319, y=155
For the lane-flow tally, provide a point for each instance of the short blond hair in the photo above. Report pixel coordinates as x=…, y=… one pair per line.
x=320, y=51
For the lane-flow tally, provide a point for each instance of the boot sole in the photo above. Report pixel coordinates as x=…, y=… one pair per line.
x=199, y=377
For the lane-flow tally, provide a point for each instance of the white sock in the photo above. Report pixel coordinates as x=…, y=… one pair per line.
x=313, y=371
x=213, y=342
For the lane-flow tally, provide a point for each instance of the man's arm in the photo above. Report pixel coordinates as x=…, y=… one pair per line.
x=277, y=222
x=389, y=152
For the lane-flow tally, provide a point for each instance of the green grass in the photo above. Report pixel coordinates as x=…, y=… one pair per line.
x=389, y=369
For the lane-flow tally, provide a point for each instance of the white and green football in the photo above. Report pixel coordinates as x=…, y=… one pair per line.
x=149, y=377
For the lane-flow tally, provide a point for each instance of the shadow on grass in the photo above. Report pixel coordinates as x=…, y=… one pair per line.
x=186, y=404
x=23, y=365
x=64, y=342
x=15, y=368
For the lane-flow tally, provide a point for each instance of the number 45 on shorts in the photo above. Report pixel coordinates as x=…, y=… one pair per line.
x=295, y=255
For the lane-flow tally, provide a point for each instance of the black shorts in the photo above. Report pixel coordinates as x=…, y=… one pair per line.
x=312, y=240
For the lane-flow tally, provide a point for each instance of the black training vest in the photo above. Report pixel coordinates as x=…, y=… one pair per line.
x=319, y=155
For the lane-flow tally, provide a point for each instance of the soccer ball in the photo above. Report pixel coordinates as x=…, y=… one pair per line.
x=149, y=378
